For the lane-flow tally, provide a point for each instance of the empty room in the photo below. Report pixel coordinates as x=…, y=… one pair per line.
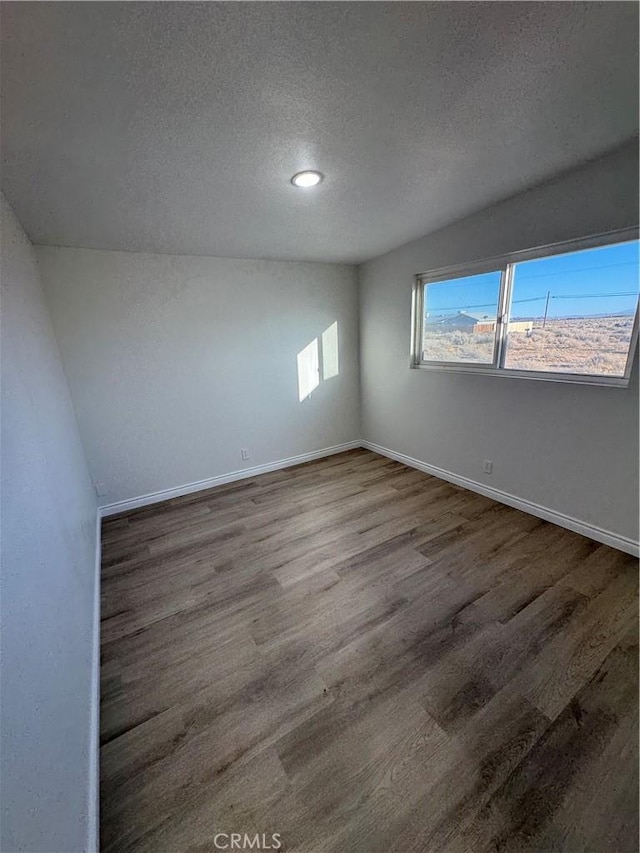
x=320, y=391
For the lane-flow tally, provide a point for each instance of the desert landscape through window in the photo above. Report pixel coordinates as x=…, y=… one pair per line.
x=570, y=313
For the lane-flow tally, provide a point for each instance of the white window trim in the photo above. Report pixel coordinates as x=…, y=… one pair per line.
x=505, y=265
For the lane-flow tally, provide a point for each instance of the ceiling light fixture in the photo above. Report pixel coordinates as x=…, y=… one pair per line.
x=307, y=179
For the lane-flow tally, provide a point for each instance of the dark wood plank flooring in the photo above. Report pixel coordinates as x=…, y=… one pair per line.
x=365, y=659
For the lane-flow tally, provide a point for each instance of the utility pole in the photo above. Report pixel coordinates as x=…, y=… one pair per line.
x=546, y=309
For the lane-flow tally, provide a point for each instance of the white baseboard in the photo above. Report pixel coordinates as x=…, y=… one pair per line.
x=622, y=543
x=211, y=482
x=607, y=537
x=93, y=805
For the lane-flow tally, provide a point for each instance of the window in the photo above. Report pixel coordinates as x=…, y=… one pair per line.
x=461, y=318
x=567, y=312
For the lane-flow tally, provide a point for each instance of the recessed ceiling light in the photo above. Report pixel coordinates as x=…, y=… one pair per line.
x=307, y=179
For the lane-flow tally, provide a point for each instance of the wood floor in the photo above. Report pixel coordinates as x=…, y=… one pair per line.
x=363, y=658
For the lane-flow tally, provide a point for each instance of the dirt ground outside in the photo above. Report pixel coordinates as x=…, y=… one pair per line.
x=587, y=345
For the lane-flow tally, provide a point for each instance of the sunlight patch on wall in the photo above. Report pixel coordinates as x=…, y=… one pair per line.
x=330, y=365
x=308, y=370
x=318, y=359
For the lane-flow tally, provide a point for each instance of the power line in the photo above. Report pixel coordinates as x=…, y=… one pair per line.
x=465, y=307
x=594, y=295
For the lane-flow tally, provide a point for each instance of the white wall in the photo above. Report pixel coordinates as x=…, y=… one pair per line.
x=48, y=560
x=175, y=363
x=570, y=448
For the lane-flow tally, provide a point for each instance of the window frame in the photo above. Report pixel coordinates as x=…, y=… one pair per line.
x=505, y=264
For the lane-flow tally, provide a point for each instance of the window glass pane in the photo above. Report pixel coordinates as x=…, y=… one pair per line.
x=574, y=313
x=460, y=317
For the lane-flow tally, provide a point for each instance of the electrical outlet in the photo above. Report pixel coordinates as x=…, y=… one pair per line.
x=487, y=466
x=101, y=490
x=244, y=453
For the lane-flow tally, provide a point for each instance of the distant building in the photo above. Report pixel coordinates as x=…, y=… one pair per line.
x=476, y=323
x=521, y=326
x=463, y=320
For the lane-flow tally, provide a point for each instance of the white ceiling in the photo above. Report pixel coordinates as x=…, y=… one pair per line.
x=175, y=127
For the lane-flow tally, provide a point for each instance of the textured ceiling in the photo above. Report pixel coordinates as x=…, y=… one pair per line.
x=175, y=127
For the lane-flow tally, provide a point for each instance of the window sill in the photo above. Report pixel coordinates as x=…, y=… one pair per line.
x=569, y=378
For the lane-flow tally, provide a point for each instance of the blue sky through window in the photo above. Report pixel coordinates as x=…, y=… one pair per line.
x=477, y=293
x=585, y=283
